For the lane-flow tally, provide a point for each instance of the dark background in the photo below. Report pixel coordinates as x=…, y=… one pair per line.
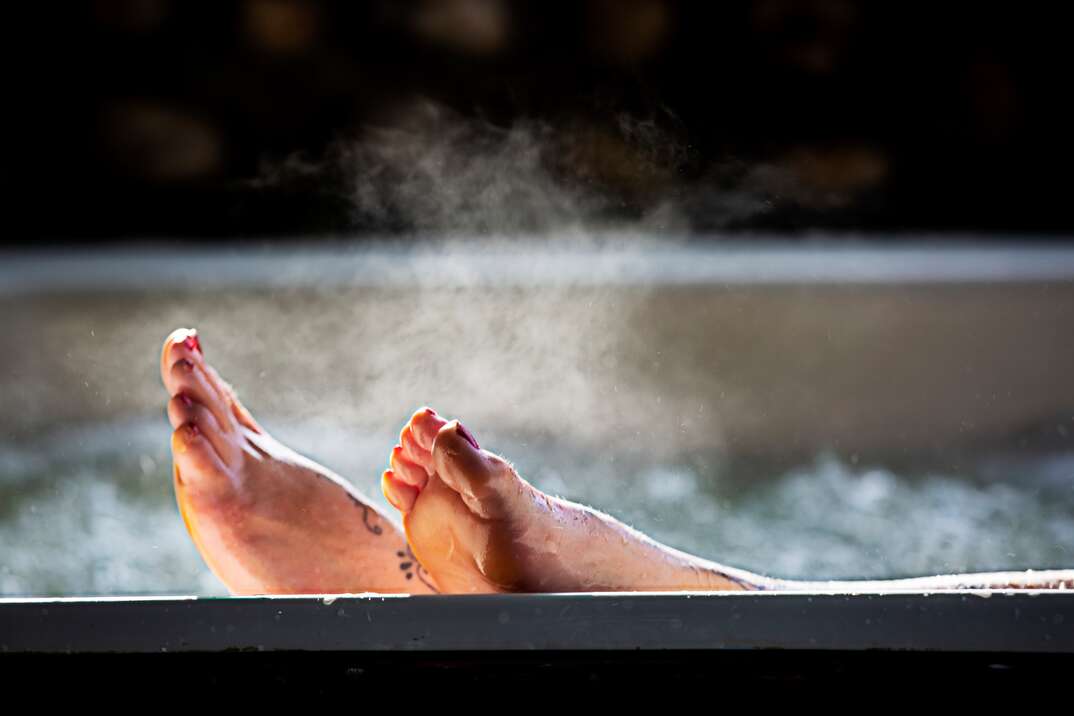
x=138, y=118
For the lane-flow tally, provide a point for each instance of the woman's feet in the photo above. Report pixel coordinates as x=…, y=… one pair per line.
x=268, y=521
x=265, y=519
x=477, y=526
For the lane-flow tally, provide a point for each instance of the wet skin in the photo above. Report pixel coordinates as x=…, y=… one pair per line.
x=265, y=519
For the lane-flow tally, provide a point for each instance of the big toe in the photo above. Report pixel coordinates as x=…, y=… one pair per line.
x=485, y=481
x=184, y=370
x=185, y=373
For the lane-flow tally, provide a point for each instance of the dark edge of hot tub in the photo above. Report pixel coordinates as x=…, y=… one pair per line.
x=610, y=649
x=982, y=622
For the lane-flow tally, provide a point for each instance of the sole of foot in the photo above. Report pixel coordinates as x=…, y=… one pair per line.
x=265, y=519
x=477, y=526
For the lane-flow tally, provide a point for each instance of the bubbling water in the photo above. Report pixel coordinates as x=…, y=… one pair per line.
x=90, y=510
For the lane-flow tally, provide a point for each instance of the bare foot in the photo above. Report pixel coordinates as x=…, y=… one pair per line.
x=265, y=519
x=477, y=526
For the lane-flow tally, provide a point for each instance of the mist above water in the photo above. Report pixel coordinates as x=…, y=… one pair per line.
x=526, y=357
x=429, y=170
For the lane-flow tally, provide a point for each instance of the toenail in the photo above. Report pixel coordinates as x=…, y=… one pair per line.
x=186, y=399
x=429, y=411
x=192, y=343
x=461, y=430
x=194, y=430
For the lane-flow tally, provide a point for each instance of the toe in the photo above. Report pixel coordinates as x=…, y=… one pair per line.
x=180, y=344
x=415, y=452
x=409, y=472
x=183, y=410
x=424, y=425
x=182, y=352
x=187, y=378
x=183, y=348
x=480, y=478
x=195, y=458
x=401, y=495
x=240, y=413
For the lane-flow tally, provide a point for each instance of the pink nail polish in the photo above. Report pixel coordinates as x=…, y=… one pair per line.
x=192, y=343
x=186, y=399
x=461, y=430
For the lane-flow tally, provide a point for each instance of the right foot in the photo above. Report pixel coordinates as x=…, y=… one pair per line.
x=265, y=519
x=477, y=526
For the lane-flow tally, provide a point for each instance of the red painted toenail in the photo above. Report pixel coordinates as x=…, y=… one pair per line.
x=186, y=399
x=194, y=429
x=461, y=430
x=192, y=343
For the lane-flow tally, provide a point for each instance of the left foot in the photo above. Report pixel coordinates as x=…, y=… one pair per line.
x=265, y=519
x=477, y=526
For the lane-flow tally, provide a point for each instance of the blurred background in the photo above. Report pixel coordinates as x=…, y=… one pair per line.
x=284, y=117
x=789, y=284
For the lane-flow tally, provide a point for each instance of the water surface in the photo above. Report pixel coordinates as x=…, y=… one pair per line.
x=90, y=510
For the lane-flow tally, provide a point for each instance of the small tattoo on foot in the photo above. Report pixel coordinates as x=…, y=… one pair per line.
x=374, y=528
x=410, y=561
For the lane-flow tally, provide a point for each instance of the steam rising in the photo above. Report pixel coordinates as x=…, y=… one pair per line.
x=443, y=173
x=430, y=170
